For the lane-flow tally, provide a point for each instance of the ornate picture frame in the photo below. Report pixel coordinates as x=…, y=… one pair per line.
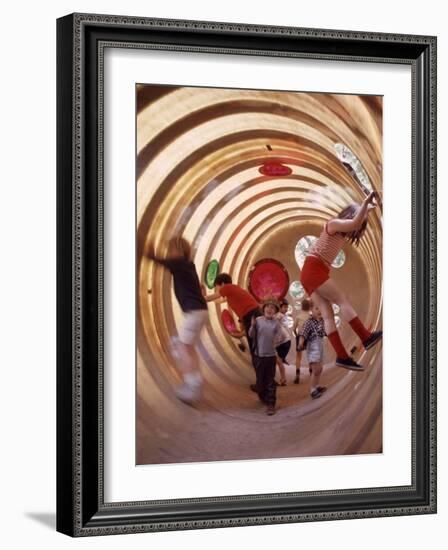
x=81, y=43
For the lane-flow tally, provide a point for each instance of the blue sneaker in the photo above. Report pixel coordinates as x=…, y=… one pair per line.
x=373, y=339
x=315, y=394
x=348, y=364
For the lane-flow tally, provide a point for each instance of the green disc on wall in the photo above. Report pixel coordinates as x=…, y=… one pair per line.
x=211, y=273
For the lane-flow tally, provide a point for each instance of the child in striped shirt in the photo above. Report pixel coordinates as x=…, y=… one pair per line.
x=349, y=226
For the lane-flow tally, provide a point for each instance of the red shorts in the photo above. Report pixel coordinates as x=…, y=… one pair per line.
x=314, y=273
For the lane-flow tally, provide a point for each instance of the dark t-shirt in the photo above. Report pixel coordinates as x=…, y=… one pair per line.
x=186, y=283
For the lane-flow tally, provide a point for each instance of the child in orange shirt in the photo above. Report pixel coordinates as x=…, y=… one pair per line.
x=240, y=301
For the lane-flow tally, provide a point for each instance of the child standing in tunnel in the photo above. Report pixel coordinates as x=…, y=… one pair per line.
x=312, y=337
x=350, y=226
x=264, y=331
x=187, y=290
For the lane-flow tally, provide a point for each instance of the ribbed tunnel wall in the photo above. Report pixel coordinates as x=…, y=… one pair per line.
x=198, y=157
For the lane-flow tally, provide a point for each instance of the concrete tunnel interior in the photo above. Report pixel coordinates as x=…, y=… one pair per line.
x=199, y=153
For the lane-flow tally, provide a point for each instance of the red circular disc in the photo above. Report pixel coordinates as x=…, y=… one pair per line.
x=227, y=321
x=275, y=169
x=268, y=278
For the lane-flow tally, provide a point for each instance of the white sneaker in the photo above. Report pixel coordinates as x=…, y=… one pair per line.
x=174, y=350
x=189, y=394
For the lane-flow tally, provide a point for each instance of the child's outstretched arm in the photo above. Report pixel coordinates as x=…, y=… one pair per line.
x=151, y=255
x=337, y=225
x=212, y=297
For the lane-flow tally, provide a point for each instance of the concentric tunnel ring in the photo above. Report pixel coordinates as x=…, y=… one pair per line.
x=199, y=153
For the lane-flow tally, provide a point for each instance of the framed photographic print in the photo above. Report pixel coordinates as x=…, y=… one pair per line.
x=246, y=274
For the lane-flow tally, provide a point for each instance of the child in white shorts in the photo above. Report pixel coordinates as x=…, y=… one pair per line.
x=187, y=290
x=191, y=326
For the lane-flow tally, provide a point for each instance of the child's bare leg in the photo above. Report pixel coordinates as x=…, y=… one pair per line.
x=316, y=371
x=188, y=362
x=194, y=357
x=191, y=389
x=298, y=362
x=326, y=309
x=281, y=368
x=187, y=359
x=331, y=292
x=330, y=326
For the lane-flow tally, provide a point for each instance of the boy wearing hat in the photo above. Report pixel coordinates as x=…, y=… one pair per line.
x=264, y=331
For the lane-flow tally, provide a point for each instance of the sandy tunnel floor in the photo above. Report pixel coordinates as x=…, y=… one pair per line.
x=231, y=424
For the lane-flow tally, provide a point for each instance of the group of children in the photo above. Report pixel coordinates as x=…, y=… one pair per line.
x=269, y=334
x=264, y=325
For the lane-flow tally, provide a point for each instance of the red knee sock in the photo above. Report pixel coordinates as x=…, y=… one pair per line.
x=337, y=344
x=360, y=329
